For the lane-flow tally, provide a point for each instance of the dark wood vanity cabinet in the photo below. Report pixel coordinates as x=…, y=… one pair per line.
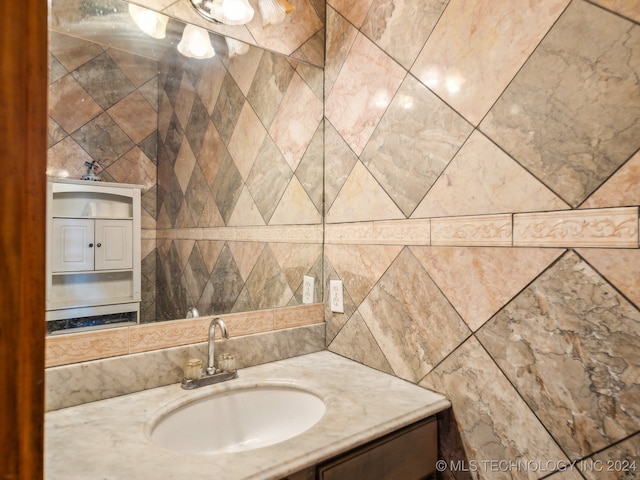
x=407, y=454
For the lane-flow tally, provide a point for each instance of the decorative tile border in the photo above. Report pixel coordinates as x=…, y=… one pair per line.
x=392, y=232
x=93, y=345
x=486, y=230
x=615, y=227
x=283, y=233
x=606, y=227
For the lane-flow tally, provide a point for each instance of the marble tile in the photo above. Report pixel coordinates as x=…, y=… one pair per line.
x=103, y=139
x=227, y=187
x=296, y=121
x=623, y=188
x=571, y=115
x=296, y=260
x=295, y=207
x=266, y=286
x=269, y=86
x=477, y=48
x=79, y=347
x=414, y=324
x=70, y=105
x=243, y=68
x=626, y=8
x=339, y=160
x=221, y=292
x=482, y=179
x=356, y=342
x=298, y=26
x=55, y=132
x=66, y=159
x=246, y=255
x=619, y=267
x=56, y=70
x=312, y=51
x=401, y=27
x=197, y=125
x=362, y=198
x=134, y=167
x=360, y=266
x=413, y=143
x=246, y=212
x=184, y=97
x=150, y=91
x=334, y=321
x=184, y=165
x=228, y=107
x=311, y=169
x=619, y=462
x=103, y=80
x=197, y=194
x=159, y=335
x=340, y=36
x=480, y=281
x=605, y=227
x=269, y=178
x=395, y=232
x=355, y=12
x=362, y=92
x=246, y=140
x=212, y=152
x=489, y=415
x=135, y=116
x=138, y=69
x=569, y=343
x=210, y=82
x=481, y=230
x=72, y=52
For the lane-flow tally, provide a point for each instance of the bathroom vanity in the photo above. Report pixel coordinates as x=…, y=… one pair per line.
x=371, y=420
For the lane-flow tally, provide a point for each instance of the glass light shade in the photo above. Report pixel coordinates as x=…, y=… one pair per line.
x=230, y=12
x=273, y=13
x=195, y=43
x=236, y=47
x=152, y=23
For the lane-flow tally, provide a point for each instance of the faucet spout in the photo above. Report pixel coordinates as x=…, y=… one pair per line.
x=211, y=367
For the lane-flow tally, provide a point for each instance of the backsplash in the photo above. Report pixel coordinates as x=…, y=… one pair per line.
x=482, y=188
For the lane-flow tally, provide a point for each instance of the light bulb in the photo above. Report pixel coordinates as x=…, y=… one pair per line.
x=195, y=43
x=152, y=23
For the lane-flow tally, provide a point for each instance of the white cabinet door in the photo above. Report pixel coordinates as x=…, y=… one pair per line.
x=113, y=245
x=73, y=244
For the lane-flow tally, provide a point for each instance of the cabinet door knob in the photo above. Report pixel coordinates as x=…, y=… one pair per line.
x=91, y=245
x=99, y=245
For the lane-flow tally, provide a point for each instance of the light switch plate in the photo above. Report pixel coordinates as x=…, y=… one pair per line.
x=336, y=296
x=307, y=289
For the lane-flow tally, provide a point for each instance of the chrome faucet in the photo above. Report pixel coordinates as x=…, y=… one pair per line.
x=211, y=367
x=212, y=374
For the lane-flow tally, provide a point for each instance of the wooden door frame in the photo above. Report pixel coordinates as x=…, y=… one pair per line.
x=23, y=147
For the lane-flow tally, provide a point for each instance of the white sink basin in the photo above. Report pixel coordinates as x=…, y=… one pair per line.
x=238, y=420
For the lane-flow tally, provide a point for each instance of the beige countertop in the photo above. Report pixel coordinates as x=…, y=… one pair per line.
x=108, y=439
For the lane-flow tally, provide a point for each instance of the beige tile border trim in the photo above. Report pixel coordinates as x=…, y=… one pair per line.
x=615, y=227
x=93, y=345
x=274, y=233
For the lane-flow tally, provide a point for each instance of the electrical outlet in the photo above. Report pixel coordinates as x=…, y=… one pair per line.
x=307, y=289
x=336, y=296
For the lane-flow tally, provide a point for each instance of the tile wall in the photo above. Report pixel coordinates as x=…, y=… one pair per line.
x=239, y=189
x=482, y=182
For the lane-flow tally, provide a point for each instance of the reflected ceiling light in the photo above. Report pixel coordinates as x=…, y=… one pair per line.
x=236, y=47
x=195, y=43
x=274, y=12
x=229, y=12
x=152, y=23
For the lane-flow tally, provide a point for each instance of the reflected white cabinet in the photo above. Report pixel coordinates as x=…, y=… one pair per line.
x=93, y=249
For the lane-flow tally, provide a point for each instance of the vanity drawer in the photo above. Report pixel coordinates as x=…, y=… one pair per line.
x=409, y=454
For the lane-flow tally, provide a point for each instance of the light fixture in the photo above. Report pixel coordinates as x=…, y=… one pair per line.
x=229, y=12
x=152, y=23
x=195, y=43
x=236, y=47
x=274, y=12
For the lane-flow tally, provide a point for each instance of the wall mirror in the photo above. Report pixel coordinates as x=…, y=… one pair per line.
x=226, y=139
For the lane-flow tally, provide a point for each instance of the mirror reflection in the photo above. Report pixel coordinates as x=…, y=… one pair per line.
x=225, y=141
